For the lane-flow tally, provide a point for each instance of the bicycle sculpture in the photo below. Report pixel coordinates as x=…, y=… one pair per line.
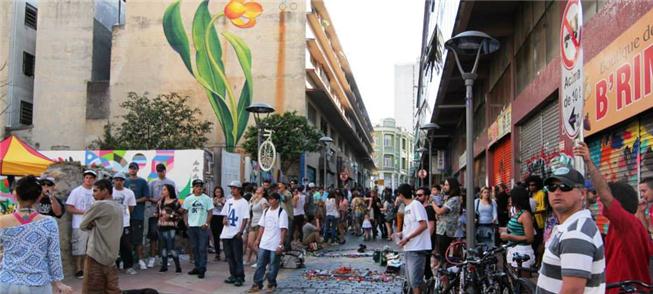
x=266, y=152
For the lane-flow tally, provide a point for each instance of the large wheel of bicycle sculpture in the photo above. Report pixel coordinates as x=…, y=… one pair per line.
x=266, y=152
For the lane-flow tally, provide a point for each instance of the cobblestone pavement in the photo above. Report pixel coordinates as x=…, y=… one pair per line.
x=294, y=281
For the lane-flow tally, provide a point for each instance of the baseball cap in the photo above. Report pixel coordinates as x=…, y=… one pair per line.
x=119, y=175
x=568, y=176
x=236, y=184
x=311, y=185
x=133, y=165
x=90, y=172
x=160, y=167
x=198, y=182
x=46, y=179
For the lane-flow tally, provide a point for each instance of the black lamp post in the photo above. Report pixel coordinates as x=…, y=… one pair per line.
x=472, y=43
x=428, y=127
x=326, y=140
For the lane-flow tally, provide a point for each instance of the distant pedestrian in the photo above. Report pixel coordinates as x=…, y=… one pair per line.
x=31, y=261
x=271, y=235
x=104, y=222
x=169, y=213
x=155, y=188
x=216, y=221
x=141, y=191
x=236, y=212
x=298, y=201
x=198, y=207
x=48, y=203
x=367, y=227
x=258, y=204
x=79, y=201
x=127, y=200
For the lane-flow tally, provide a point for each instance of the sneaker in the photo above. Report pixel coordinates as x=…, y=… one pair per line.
x=163, y=269
x=200, y=275
x=121, y=265
x=238, y=283
x=255, y=289
x=141, y=263
x=230, y=280
x=79, y=275
x=271, y=288
x=131, y=271
x=150, y=262
x=254, y=265
x=194, y=272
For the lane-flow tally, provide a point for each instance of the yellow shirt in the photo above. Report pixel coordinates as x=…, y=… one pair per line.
x=540, y=206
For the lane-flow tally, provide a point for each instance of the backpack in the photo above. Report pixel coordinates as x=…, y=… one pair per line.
x=266, y=212
x=292, y=259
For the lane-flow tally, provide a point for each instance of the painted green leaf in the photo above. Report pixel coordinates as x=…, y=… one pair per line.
x=226, y=120
x=173, y=28
x=245, y=59
x=205, y=68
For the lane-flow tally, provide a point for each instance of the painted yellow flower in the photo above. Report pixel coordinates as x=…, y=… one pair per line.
x=241, y=14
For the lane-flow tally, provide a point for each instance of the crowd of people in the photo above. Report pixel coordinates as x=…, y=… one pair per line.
x=595, y=232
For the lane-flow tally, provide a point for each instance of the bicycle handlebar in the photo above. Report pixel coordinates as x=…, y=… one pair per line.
x=629, y=282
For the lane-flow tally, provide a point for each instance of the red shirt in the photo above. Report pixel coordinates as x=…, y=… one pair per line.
x=627, y=247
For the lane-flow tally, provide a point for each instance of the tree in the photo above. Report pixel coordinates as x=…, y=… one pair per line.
x=165, y=122
x=292, y=135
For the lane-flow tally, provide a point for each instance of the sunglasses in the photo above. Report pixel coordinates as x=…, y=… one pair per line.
x=419, y=194
x=563, y=187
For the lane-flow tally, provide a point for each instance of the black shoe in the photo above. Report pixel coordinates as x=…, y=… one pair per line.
x=163, y=269
x=194, y=272
x=238, y=283
x=230, y=280
x=178, y=270
x=79, y=274
x=200, y=275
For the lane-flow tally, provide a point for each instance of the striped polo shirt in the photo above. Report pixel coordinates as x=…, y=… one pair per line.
x=575, y=249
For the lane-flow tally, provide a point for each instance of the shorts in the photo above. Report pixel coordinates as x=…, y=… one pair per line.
x=153, y=229
x=522, y=250
x=78, y=242
x=137, y=231
x=253, y=229
x=6, y=288
x=415, y=263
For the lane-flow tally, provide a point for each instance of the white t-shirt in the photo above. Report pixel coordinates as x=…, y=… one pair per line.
x=126, y=198
x=331, y=207
x=234, y=212
x=82, y=199
x=299, y=209
x=273, y=221
x=413, y=214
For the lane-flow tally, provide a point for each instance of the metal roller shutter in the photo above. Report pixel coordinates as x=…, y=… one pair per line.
x=615, y=151
x=646, y=145
x=502, y=162
x=539, y=140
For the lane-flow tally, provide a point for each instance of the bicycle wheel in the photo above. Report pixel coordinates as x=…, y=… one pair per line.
x=524, y=286
x=504, y=287
x=405, y=288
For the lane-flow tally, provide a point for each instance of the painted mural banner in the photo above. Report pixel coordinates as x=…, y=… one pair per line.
x=501, y=126
x=571, y=60
x=620, y=78
x=182, y=166
x=208, y=66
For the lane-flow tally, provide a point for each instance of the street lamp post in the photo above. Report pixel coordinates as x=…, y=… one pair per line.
x=326, y=140
x=472, y=43
x=257, y=109
x=428, y=127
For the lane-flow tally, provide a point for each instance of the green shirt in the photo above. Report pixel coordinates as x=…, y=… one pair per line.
x=198, y=208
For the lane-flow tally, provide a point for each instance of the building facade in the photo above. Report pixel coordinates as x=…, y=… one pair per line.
x=393, y=154
x=517, y=104
x=405, y=90
x=202, y=50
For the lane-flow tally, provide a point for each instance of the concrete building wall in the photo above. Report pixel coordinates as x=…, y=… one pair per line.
x=64, y=63
x=5, y=34
x=143, y=61
x=404, y=99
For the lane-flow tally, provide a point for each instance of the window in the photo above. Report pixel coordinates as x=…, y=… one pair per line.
x=403, y=163
x=26, y=113
x=387, y=161
x=28, y=64
x=403, y=144
x=30, y=16
x=387, y=140
x=312, y=115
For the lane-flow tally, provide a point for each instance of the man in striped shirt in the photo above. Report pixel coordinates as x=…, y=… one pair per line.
x=574, y=259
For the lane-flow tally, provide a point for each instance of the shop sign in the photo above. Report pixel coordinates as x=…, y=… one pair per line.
x=620, y=78
x=571, y=61
x=501, y=126
x=462, y=160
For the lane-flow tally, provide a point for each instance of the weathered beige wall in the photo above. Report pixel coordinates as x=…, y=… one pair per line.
x=143, y=61
x=63, y=67
x=6, y=8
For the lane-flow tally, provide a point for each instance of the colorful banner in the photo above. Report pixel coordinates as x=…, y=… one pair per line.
x=619, y=80
x=501, y=126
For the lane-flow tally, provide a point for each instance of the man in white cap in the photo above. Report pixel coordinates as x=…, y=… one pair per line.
x=126, y=198
x=198, y=207
x=236, y=212
x=80, y=200
x=48, y=203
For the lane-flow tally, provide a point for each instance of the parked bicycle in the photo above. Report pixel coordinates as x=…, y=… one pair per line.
x=631, y=286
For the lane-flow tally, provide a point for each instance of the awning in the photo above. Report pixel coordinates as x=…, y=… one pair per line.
x=17, y=158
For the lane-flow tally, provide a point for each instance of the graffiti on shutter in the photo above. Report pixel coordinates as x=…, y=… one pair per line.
x=646, y=145
x=615, y=150
x=540, y=139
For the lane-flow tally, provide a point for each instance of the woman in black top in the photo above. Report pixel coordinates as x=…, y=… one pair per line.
x=501, y=196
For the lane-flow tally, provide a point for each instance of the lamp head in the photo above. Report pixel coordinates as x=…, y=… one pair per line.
x=326, y=140
x=430, y=126
x=259, y=108
x=468, y=43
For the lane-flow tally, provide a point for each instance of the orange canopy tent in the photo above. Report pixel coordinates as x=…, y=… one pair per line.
x=17, y=158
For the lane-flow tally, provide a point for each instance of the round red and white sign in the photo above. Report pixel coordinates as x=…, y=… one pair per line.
x=571, y=33
x=422, y=173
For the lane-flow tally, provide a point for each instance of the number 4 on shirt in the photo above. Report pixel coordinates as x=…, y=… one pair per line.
x=232, y=216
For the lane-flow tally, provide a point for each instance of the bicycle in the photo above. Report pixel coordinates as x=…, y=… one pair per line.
x=518, y=284
x=631, y=286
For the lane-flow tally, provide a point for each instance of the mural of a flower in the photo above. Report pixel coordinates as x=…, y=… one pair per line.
x=208, y=68
x=241, y=14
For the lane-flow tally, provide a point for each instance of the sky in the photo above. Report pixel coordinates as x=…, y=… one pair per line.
x=376, y=35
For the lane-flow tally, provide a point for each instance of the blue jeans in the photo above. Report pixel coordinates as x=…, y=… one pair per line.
x=199, y=239
x=330, y=229
x=167, y=238
x=266, y=257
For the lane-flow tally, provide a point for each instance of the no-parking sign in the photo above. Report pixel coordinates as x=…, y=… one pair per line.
x=571, y=61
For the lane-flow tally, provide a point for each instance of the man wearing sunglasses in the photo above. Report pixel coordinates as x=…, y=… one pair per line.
x=573, y=261
x=627, y=244
x=49, y=204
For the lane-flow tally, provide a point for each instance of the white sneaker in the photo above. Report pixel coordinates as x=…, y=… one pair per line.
x=150, y=262
x=131, y=271
x=121, y=265
x=141, y=263
x=254, y=265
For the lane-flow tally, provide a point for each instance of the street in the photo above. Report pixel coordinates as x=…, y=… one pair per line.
x=289, y=280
